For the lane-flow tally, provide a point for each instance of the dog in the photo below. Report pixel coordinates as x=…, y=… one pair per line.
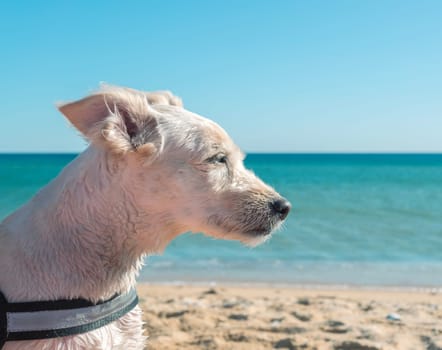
x=152, y=171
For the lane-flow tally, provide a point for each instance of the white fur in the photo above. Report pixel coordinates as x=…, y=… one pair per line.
x=147, y=176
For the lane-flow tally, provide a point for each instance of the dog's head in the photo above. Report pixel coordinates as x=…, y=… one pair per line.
x=179, y=167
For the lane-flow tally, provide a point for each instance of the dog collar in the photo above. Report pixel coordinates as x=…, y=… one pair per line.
x=59, y=318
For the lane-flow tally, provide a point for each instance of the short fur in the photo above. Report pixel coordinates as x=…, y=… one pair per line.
x=152, y=171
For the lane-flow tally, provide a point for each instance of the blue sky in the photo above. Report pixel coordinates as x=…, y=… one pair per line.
x=279, y=76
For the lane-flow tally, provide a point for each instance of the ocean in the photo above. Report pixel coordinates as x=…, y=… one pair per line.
x=357, y=219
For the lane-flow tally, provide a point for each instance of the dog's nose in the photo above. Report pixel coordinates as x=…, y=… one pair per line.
x=281, y=207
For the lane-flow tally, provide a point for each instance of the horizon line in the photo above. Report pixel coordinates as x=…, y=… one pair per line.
x=270, y=153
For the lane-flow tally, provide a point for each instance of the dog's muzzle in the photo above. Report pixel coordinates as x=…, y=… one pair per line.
x=59, y=318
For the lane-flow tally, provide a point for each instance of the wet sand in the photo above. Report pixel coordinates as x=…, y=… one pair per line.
x=260, y=317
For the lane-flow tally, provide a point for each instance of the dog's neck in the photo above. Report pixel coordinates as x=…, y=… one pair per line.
x=80, y=236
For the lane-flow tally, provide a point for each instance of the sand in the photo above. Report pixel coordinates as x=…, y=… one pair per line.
x=259, y=317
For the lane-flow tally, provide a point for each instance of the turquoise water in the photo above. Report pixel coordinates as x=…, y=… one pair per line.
x=356, y=219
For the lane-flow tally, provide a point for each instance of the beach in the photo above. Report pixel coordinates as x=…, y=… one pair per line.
x=271, y=317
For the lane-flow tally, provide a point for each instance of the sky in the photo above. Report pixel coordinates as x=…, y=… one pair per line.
x=279, y=76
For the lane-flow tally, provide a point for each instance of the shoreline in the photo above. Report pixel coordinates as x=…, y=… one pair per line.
x=225, y=316
x=297, y=286
x=408, y=275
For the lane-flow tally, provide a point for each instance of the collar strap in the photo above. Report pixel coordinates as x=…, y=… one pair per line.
x=59, y=318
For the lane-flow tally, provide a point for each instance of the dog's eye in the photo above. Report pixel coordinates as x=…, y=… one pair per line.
x=218, y=158
x=221, y=158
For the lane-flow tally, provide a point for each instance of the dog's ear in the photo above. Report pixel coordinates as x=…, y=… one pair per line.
x=84, y=114
x=163, y=98
x=119, y=118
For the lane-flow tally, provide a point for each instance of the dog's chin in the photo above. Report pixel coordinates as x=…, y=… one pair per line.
x=251, y=236
x=259, y=235
x=255, y=236
x=254, y=240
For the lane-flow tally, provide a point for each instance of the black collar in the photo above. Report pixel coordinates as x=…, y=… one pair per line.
x=59, y=318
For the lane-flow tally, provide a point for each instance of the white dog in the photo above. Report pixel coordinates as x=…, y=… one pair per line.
x=152, y=171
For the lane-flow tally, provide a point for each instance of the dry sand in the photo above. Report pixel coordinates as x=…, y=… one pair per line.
x=257, y=317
